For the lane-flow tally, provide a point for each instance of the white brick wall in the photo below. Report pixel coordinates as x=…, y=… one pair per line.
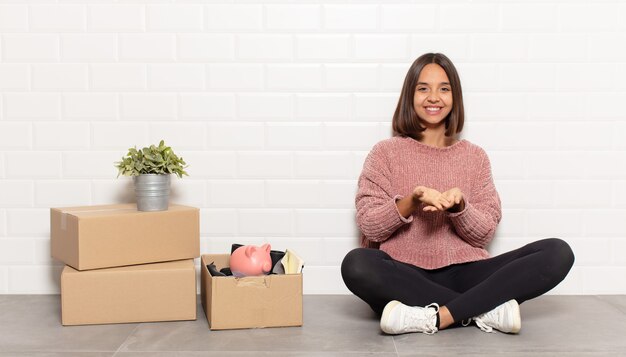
x=597, y=43
x=89, y=47
x=61, y=135
x=147, y=47
x=90, y=106
x=481, y=18
x=265, y=47
x=116, y=17
x=13, y=18
x=179, y=17
x=237, y=193
x=292, y=17
x=27, y=222
x=14, y=76
x=33, y=164
x=176, y=77
x=205, y=47
x=117, y=77
x=16, y=135
x=59, y=193
x=268, y=221
x=281, y=193
x=115, y=135
x=237, y=17
x=403, y=17
x=353, y=17
x=61, y=77
x=58, y=18
x=16, y=193
x=244, y=135
x=235, y=76
x=27, y=47
x=149, y=106
x=185, y=136
x=19, y=106
x=514, y=17
x=276, y=104
x=353, y=76
x=293, y=136
x=322, y=47
x=207, y=106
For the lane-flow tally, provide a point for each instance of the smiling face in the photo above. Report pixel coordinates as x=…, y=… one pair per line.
x=433, y=96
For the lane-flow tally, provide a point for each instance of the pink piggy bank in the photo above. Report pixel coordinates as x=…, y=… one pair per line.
x=251, y=260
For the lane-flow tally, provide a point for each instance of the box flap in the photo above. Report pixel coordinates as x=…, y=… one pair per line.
x=173, y=265
x=117, y=209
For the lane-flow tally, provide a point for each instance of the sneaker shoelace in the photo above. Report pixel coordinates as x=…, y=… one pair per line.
x=482, y=321
x=424, y=318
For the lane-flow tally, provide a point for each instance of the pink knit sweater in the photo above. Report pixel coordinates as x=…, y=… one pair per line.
x=428, y=240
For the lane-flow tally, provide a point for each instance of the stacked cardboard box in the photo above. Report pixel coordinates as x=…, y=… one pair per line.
x=124, y=265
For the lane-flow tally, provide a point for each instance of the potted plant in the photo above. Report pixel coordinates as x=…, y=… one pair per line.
x=150, y=169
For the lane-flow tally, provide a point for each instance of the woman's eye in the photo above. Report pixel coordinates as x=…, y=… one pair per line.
x=445, y=89
x=421, y=89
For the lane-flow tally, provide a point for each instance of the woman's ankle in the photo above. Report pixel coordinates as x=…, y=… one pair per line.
x=444, y=318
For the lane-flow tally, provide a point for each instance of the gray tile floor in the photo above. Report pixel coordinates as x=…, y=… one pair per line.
x=334, y=325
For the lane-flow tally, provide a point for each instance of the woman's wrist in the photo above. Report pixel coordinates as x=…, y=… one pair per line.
x=458, y=207
x=415, y=199
x=407, y=205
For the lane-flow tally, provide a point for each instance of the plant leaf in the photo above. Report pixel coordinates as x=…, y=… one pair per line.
x=153, y=159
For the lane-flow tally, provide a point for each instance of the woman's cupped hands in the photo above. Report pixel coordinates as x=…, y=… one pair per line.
x=439, y=201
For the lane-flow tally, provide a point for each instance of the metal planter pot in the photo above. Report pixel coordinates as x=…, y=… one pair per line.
x=152, y=191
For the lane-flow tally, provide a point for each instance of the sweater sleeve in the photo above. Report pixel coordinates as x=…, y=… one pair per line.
x=377, y=214
x=477, y=222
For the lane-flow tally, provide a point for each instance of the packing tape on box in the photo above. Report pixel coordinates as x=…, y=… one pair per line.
x=253, y=281
x=64, y=213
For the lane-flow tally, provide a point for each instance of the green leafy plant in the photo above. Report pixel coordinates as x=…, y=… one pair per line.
x=151, y=160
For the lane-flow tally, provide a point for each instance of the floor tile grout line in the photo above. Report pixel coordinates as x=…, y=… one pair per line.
x=393, y=339
x=126, y=339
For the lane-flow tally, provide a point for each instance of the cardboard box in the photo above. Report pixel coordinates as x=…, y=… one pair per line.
x=138, y=293
x=93, y=237
x=253, y=301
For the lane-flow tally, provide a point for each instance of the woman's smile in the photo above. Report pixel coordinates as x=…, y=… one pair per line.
x=433, y=110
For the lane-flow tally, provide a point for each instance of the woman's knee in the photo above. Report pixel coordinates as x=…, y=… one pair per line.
x=560, y=255
x=357, y=265
x=561, y=249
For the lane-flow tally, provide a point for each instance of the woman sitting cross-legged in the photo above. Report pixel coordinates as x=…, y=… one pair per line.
x=427, y=206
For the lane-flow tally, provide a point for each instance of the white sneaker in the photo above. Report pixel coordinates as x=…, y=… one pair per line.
x=399, y=318
x=505, y=318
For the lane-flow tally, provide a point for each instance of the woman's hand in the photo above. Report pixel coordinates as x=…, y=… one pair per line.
x=434, y=199
x=453, y=198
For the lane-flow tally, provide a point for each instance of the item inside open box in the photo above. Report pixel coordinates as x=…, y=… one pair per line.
x=286, y=262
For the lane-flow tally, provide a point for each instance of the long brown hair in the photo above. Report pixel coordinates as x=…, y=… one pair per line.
x=405, y=121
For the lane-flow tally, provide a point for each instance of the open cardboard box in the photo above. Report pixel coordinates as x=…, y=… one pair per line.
x=249, y=302
x=93, y=237
x=138, y=293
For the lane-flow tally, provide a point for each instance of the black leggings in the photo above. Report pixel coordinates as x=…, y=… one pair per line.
x=466, y=289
